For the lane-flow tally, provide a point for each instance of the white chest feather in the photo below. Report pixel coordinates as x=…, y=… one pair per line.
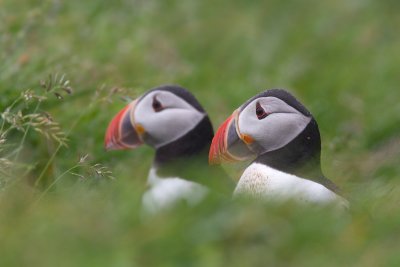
x=261, y=181
x=165, y=192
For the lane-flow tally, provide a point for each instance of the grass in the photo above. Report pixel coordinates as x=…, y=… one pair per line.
x=64, y=201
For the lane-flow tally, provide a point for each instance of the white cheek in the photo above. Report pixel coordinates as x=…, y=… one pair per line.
x=276, y=130
x=168, y=125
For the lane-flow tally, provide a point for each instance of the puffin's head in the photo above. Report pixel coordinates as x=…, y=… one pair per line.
x=160, y=116
x=266, y=122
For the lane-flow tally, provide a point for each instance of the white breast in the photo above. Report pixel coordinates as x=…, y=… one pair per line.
x=165, y=192
x=261, y=181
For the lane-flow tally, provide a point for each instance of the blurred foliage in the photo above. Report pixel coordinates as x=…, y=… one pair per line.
x=341, y=58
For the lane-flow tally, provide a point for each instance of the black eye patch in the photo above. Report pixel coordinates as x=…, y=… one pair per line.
x=260, y=112
x=157, y=106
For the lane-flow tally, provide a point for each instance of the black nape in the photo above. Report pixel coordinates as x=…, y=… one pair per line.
x=192, y=143
x=187, y=158
x=300, y=157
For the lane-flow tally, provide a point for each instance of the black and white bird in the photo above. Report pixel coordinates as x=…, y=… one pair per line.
x=281, y=134
x=171, y=120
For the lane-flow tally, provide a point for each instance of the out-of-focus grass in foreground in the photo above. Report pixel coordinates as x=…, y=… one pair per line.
x=64, y=201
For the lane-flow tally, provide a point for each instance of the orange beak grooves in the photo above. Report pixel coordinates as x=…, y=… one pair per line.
x=229, y=145
x=120, y=133
x=219, y=150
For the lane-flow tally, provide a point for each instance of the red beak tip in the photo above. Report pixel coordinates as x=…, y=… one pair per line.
x=214, y=162
x=213, y=156
x=114, y=133
x=218, y=147
x=108, y=146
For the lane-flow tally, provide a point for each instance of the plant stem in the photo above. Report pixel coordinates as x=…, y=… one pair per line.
x=10, y=107
x=55, y=181
x=25, y=134
x=60, y=145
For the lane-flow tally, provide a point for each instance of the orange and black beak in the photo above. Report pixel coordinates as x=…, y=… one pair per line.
x=121, y=132
x=228, y=144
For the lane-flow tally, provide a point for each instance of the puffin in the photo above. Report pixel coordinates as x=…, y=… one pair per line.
x=281, y=139
x=170, y=119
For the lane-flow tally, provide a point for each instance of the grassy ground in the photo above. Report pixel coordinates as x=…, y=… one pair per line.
x=76, y=205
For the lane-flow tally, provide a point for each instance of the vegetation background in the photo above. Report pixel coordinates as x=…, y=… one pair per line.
x=68, y=66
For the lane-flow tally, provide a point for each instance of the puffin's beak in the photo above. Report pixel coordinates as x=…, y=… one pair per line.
x=228, y=145
x=121, y=132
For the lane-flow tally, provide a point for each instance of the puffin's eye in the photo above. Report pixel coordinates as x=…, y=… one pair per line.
x=157, y=106
x=260, y=112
